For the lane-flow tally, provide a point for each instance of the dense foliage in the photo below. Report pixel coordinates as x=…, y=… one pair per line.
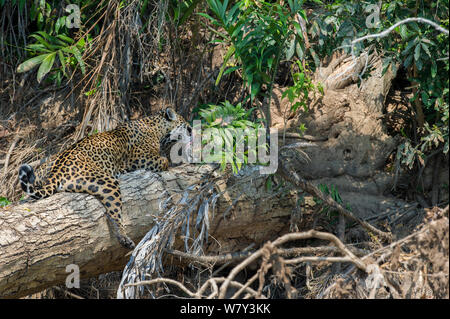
x=55, y=39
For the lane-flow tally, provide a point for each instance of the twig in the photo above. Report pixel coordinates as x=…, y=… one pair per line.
x=164, y=280
x=211, y=259
x=237, y=269
x=232, y=283
x=317, y=259
x=309, y=138
x=8, y=155
x=297, y=251
x=228, y=263
x=248, y=283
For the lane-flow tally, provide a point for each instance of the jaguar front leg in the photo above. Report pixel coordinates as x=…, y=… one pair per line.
x=161, y=163
x=151, y=162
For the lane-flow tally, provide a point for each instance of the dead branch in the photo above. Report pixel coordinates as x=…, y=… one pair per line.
x=392, y=28
x=271, y=247
x=384, y=253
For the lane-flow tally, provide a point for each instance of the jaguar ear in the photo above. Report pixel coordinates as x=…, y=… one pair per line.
x=170, y=114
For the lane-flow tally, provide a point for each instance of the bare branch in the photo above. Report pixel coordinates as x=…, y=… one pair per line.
x=164, y=280
x=390, y=29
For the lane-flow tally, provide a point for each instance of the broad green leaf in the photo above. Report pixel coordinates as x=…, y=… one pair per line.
x=419, y=64
x=62, y=60
x=425, y=48
x=291, y=49
x=417, y=52
x=60, y=22
x=408, y=61
x=409, y=46
x=386, y=64
x=46, y=66
x=43, y=42
x=65, y=38
x=299, y=50
x=50, y=39
x=38, y=47
x=30, y=63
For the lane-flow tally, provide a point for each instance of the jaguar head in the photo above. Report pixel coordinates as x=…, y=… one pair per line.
x=176, y=132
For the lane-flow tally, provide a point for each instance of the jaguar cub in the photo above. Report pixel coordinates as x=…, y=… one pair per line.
x=93, y=164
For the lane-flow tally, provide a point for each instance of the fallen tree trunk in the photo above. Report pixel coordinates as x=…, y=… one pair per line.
x=39, y=239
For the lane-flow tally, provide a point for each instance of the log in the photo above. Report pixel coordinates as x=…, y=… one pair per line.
x=39, y=239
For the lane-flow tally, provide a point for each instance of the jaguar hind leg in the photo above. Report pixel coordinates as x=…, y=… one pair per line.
x=106, y=189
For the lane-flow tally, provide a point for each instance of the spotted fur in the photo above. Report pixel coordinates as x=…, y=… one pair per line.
x=93, y=164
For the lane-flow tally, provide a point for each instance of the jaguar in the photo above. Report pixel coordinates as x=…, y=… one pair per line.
x=93, y=164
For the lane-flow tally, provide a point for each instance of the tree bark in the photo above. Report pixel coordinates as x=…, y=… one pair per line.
x=39, y=239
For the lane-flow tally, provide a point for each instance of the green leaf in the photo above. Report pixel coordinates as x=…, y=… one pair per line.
x=46, y=66
x=4, y=202
x=417, y=52
x=419, y=64
x=230, y=70
x=30, y=63
x=425, y=98
x=291, y=49
x=433, y=68
x=60, y=22
x=425, y=48
x=213, y=20
x=228, y=55
x=409, y=46
x=408, y=61
x=51, y=39
x=43, y=42
x=386, y=64
x=62, y=60
x=38, y=47
x=187, y=13
x=65, y=38
x=269, y=183
x=299, y=50
x=403, y=30
x=74, y=50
